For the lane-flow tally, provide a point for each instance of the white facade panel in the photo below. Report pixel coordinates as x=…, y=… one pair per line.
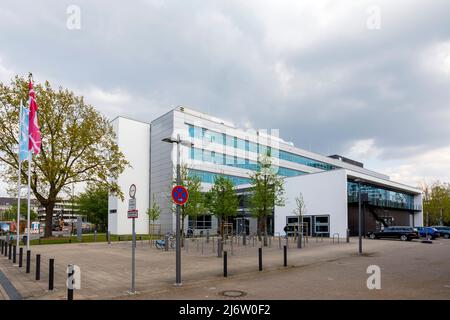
x=324, y=194
x=133, y=138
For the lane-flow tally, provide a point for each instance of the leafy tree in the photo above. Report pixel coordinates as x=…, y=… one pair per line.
x=267, y=192
x=154, y=212
x=78, y=144
x=436, y=203
x=299, y=211
x=11, y=212
x=93, y=203
x=195, y=205
x=222, y=201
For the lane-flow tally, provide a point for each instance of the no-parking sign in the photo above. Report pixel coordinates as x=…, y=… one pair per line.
x=180, y=195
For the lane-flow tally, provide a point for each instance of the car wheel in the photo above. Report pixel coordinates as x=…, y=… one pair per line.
x=446, y=236
x=403, y=237
x=428, y=237
x=372, y=236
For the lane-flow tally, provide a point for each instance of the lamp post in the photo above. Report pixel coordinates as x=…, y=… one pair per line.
x=359, y=216
x=178, y=141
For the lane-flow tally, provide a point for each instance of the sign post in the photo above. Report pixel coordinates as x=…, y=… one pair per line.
x=180, y=196
x=133, y=214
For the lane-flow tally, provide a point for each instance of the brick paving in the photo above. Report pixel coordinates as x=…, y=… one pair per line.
x=106, y=268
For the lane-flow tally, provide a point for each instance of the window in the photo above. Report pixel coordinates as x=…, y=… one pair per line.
x=247, y=145
x=322, y=224
x=191, y=130
x=209, y=177
x=200, y=222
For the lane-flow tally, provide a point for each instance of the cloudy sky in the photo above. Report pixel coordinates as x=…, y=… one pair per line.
x=366, y=79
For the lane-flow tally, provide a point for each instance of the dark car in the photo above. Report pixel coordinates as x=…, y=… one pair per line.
x=428, y=232
x=402, y=233
x=443, y=231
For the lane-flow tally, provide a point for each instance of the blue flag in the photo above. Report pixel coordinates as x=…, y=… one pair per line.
x=23, y=135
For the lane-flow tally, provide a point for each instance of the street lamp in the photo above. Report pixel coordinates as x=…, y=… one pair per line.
x=359, y=215
x=178, y=141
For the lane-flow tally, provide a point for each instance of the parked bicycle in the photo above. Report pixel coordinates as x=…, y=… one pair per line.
x=161, y=244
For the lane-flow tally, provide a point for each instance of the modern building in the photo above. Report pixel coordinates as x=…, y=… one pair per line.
x=328, y=184
x=6, y=203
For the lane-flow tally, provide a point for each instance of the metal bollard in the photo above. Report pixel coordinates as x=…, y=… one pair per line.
x=38, y=267
x=108, y=237
x=285, y=255
x=260, y=258
x=51, y=273
x=207, y=236
x=14, y=254
x=166, y=243
x=10, y=251
x=20, y=257
x=213, y=246
x=279, y=241
x=95, y=235
x=348, y=235
x=202, y=247
x=225, y=264
x=244, y=239
x=6, y=249
x=28, y=261
x=2, y=243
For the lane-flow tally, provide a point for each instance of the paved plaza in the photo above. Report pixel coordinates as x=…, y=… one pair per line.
x=323, y=269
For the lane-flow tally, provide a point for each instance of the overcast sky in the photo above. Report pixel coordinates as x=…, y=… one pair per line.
x=369, y=80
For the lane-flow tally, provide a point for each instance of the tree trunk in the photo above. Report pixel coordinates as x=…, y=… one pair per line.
x=265, y=231
x=258, y=231
x=49, y=219
x=182, y=231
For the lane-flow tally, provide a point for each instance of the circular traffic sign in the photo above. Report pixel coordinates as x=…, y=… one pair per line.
x=180, y=195
x=132, y=191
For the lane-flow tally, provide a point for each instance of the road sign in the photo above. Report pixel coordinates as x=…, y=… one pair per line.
x=180, y=195
x=132, y=191
x=131, y=204
x=132, y=214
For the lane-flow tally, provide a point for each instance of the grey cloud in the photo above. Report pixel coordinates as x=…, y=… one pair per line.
x=217, y=56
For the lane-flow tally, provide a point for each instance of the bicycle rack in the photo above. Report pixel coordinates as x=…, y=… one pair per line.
x=337, y=236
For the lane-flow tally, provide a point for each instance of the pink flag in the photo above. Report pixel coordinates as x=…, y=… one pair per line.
x=34, y=143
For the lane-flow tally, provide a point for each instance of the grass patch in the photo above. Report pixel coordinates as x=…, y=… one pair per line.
x=86, y=238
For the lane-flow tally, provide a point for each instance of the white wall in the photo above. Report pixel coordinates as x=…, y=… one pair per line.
x=324, y=193
x=133, y=138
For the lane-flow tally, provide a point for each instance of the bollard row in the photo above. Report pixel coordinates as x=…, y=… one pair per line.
x=10, y=251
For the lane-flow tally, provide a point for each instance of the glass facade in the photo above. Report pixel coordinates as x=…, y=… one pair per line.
x=233, y=161
x=380, y=196
x=210, y=177
x=210, y=136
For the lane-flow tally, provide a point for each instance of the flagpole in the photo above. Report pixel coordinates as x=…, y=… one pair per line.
x=19, y=180
x=28, y=209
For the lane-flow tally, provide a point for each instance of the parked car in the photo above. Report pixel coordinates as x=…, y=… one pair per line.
x=402, y=233
x=428, y=232
x=443, y=231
